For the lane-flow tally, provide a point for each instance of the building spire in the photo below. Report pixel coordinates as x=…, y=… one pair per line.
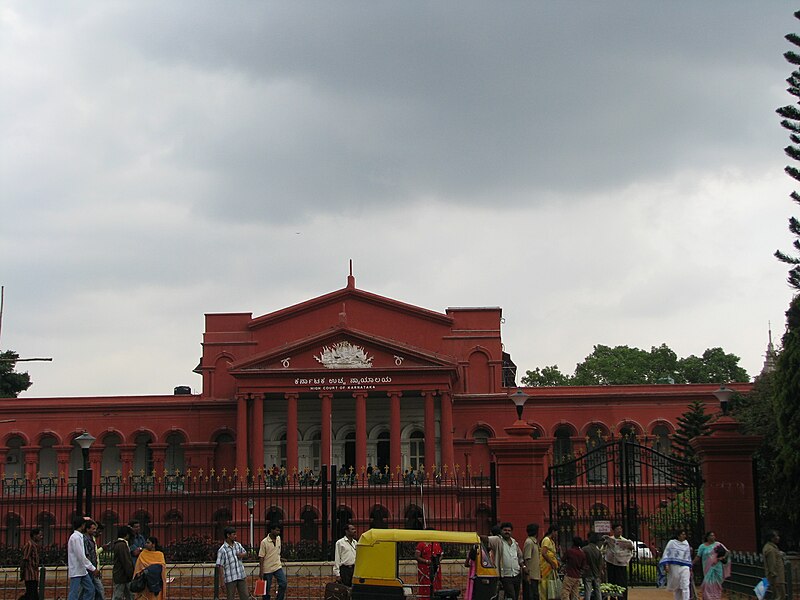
x=770, y=356
x=351, y=281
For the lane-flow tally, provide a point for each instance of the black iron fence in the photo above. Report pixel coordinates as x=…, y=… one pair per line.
x=747, y=569
x=188, y=511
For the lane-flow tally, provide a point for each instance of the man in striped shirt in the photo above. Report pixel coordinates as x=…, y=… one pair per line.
x=229, y=562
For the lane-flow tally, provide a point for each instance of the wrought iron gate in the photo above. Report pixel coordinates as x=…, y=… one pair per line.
x=621, y=481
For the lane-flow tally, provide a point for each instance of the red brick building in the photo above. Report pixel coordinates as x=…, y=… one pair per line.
x=349, y=378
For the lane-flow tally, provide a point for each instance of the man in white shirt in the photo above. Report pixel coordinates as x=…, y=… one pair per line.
x=81, y=570
x=619, y=551
x=269, y=560
x=344, y=556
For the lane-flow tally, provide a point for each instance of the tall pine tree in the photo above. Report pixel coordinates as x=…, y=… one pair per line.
x=692, y=423
x=791, y=122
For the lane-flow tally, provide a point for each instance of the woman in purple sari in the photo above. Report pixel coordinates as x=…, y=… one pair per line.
x=716, y=566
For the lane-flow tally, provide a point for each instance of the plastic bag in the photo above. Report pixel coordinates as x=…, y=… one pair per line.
x=761, y=588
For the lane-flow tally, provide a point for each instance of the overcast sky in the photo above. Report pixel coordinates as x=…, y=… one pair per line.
x=606, y=172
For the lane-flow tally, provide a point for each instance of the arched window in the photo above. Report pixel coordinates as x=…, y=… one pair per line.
x=416, y=449
x=414, y=517
x=316, y=445
x=378, y=517
x=144, y=518
x=174, y=462
x=14, y=462
x=47, y=523
x=481, y=436
x=350, y=451
x=596, y=458
x=110, y=523
x=566, y=522
x=112, y=461
x=220, y=519
x=274, y=515
x=174, y=529
x=282, y=451
x=143, y=455
x=632, y=452
x=343, y=516
x=382, y=449
x=309, y=527
x=563, y=458
x=48, y=462
x=662, y=466
x=13, y=524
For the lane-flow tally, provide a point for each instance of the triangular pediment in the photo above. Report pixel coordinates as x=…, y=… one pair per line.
x=342, y=348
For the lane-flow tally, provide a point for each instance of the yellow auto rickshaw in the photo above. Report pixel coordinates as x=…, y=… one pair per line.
x=377, y=569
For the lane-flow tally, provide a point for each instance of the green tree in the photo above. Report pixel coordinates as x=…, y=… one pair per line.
x=692, y=423
x=787, y=413
x=623, y=365
x=715, y=366
x=11, y=382
x=547, y=376
x=791, y=122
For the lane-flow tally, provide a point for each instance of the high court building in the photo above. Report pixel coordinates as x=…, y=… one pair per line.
x=352, y=379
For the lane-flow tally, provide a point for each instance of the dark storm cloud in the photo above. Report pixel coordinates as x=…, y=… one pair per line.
x=344, y=107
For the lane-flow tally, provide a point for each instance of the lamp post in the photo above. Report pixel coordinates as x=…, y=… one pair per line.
x=84, y=487
x=519, y=398
x=724, y=394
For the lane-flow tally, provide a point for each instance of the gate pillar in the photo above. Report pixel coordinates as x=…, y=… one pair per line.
x=726, y=461
x=521, y=473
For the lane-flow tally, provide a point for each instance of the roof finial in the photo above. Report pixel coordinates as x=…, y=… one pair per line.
x=351, y=281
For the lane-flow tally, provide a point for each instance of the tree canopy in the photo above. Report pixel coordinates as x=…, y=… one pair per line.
x=623, y=365
x=791, y=122
x=11, y=382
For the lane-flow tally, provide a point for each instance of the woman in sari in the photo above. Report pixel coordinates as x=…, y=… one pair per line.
x=152, y=562
x=548, y=565
x=429, y=556
x=676, y=563
x=716, y=566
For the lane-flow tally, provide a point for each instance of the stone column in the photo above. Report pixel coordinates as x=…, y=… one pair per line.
x=521, y=472
x=291, y=433
x=257, y=434
x=126, y=452
x=241, y=433
x=159, y=458
x=447, y=429
x=30, y=456
x=430, y=430
x=395, y=431
x=726, y=461
x=361, y=430
x=325, y=437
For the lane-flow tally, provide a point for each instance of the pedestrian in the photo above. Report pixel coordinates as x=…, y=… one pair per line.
x=90, y=547
x=429, y=556
x=229, y=563
x=619, y=551
x=593, y=574
x=137, y=538
x=716, y=566
x=676, y=561
x=269, y=558
x=548, y=564
x=510, y=562
x=531, y=556
x=122, y=572
x=30, y=565
x=344, y=556
x=80, y=569
x=151, y=561
x=773, y=566
x=574, y=565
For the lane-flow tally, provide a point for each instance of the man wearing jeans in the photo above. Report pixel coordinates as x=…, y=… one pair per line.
x=229, y=561
x=269, y=560
x=81, y=571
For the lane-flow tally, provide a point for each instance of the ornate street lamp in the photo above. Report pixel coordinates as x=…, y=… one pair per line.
x=724, y=395
x=85, y=441
x=518, y=398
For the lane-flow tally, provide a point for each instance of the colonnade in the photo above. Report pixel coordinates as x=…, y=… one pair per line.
x=250, y=427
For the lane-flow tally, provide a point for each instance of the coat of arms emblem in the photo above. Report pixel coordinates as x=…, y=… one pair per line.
x=344, y=355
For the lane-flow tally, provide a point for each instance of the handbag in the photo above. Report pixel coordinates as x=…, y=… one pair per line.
x=554, y=589
x=138, y=583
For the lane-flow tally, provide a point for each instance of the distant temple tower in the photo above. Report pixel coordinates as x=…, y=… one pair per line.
x=770, y=356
